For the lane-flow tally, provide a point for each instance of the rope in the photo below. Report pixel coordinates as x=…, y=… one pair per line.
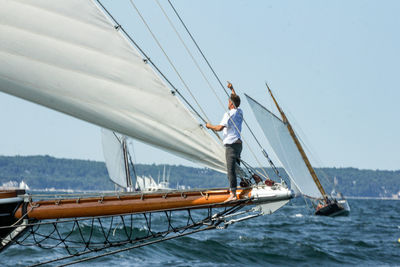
x=222, y=86
x=191, y=55
x=173, y=66
x=79, y=238
x=214, y=226
x=251, y=169
x=201, y=52
x=167, y=80
x=167, y=57
x=280, y=143
x=138, y=246
x=147, y=59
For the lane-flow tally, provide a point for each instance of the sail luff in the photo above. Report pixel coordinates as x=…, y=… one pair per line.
x=114, y=157
x=275, y=130
x=67, y=55
x=299, y=146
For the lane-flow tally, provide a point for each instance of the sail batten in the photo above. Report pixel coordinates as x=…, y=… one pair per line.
x=67, y=55
x=278, y=136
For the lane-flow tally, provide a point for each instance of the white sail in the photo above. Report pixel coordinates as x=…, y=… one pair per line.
x=114, y=157
x=146, y=183
x=68, y=56
x=284, y=147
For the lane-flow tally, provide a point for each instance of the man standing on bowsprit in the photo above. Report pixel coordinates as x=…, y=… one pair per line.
x=231, y=125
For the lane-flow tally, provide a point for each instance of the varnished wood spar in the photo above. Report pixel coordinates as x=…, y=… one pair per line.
x=11, y=193
x=299, y=146
x=136, y=203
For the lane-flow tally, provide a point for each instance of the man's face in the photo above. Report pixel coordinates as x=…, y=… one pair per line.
x=230, y=104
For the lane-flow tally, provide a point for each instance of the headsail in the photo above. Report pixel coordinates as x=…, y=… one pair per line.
x=72, y=59
x=282, y=143
x=114, y=157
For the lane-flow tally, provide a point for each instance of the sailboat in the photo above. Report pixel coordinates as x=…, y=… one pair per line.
x=164, y=183
x=291, y=154
x=119, y=163
x=74, y=57
x=117, y=159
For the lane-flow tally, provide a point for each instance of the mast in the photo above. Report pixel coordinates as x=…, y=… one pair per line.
x=127, y=173
x=299, y=147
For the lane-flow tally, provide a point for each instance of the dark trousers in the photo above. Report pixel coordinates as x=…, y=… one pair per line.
x=232, y=154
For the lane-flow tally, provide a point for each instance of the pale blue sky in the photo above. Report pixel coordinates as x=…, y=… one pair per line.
x=333, y=65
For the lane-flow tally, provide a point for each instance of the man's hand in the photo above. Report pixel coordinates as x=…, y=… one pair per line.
x=208, y=125
x=230, y=86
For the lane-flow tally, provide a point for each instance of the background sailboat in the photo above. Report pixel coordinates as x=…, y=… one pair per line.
x=117, y=160
x=288, y=149
x=119, y=165
x=73, y=57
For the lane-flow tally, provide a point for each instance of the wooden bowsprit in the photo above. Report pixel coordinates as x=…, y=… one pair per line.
x=82, y=235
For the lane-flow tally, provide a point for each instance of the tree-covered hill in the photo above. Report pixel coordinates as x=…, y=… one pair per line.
x=41, y=172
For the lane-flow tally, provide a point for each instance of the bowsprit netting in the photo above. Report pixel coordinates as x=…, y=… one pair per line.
x=82, y=236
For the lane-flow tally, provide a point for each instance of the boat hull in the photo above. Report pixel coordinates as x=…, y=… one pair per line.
x=127, y=203
x=9, y=202
x=334, y=209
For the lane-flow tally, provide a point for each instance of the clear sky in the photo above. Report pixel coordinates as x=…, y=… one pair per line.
x=333, y=65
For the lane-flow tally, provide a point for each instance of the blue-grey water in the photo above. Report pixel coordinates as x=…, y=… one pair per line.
x=289, y=237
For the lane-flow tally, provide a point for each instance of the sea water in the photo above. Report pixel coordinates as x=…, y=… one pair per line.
x=292, y=236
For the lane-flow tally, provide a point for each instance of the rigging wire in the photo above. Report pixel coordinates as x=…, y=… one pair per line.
x=134, y=171
x=208, y=82
x=184, y=83
x=201, y=52
x=311, y=153
x=223, y=88
x=167, y=57
x=175, y=90
x=173, y=66
x=147, y=59
x=84, y=244
x=191, y=55
x=290, y=167
x=280, y=143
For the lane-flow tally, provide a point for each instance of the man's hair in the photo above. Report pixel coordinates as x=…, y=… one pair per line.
x=235, y=100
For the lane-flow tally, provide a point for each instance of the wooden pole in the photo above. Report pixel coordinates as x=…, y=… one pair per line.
x=127, y=172
x=129, y=203
x=299, y=147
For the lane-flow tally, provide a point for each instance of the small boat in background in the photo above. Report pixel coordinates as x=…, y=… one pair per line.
x=287, y=147
x=14, y=185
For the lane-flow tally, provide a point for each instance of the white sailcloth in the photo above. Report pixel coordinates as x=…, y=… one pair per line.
x=146, y=183
x=286, y=150
x=114, y=157
x=68, y=56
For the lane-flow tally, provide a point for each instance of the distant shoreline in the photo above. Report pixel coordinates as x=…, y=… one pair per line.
x=68, y=175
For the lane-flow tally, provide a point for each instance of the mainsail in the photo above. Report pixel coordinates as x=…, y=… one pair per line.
x=284, y=147
x=68, y=56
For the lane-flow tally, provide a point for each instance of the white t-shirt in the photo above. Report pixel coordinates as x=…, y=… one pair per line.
x=232, y=121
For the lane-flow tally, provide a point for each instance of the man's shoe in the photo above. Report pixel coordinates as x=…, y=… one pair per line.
x=232, y=197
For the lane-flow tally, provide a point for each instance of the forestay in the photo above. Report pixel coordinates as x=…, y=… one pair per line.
x=68, y=56
x=284, y=147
